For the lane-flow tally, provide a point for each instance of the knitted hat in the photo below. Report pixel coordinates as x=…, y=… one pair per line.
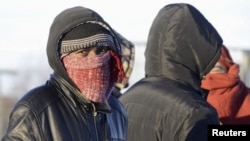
x=84, y=36
x=93, y=35
x=225, y=57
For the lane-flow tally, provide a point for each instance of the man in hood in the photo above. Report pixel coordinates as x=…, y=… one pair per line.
x=76, y=103
x=169, y=104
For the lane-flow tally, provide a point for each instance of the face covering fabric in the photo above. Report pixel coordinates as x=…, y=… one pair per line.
x=91, y=75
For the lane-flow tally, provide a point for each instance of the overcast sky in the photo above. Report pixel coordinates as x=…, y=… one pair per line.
x=25, y=24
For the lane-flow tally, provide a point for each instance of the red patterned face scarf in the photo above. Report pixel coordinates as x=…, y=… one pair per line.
x=91, y=75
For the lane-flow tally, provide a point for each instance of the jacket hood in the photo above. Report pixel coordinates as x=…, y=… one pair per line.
x=63, y=23
x=182, y=45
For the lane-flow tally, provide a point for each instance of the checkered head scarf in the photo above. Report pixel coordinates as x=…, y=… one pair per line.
x=94, y=76
x=128, y=57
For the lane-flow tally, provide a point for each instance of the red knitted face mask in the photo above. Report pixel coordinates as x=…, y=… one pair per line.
x=91, y=75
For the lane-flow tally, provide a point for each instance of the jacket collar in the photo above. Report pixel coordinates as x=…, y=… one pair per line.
x=75, y=96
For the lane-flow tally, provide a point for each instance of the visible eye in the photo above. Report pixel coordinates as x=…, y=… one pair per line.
x=101, y=50
x=218, y=69
x=85, y=51
x=81, y=52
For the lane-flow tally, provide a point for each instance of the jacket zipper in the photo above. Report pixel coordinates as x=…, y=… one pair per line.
x=94, y=117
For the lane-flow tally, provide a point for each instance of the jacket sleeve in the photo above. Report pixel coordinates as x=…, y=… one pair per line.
x=22, y=125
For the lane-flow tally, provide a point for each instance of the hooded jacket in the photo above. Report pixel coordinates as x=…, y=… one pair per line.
x=57, y=111
x=168, y=104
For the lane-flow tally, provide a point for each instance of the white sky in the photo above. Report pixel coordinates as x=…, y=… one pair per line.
x=25, y=24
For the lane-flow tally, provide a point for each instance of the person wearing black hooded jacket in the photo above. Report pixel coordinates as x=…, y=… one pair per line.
x=169, y=104
x=75, y=104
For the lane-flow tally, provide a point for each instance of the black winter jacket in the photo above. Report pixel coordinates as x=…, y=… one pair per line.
x=168, y=104
x=57, y=111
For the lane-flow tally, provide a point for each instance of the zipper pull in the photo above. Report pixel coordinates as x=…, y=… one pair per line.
x=94, y=114
x=94, y=109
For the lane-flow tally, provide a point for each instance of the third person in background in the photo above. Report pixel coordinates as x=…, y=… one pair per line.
x=169, y=104
x=228, y=94
x=128, y=57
